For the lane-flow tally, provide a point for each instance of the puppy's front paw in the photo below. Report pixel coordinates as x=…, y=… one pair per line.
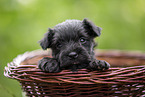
x=49, y=65
x=103, y=65
x=99, y=65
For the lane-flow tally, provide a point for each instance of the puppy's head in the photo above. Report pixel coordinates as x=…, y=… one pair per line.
x=72, y=42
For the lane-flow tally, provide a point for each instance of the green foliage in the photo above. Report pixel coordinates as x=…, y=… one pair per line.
x=23, y=23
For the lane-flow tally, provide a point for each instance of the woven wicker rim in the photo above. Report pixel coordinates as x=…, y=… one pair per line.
x=115, y=75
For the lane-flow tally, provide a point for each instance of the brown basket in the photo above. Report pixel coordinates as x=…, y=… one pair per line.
x=125, y=78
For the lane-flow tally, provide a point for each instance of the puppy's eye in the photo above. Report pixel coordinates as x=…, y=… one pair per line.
x=59, y=45
x=82, y=40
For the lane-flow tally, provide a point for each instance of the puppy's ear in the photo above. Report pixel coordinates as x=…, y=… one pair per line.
x=46, y=42
x=91, y=28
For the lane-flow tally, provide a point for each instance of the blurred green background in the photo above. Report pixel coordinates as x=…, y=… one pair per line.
x=23, y=23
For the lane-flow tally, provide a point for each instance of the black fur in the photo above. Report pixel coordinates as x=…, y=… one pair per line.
x=72, y=44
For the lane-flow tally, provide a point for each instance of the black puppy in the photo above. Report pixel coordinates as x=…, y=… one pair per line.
x=72, y=47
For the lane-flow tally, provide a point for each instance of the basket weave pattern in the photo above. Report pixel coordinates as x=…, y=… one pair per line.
x=115, y=82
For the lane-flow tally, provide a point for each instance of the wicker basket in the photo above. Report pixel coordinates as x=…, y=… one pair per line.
x=125, y=78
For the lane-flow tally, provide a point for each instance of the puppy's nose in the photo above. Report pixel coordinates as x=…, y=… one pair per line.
x=73, y=55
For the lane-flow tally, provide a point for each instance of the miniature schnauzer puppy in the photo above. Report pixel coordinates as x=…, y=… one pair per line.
x=72, y=44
